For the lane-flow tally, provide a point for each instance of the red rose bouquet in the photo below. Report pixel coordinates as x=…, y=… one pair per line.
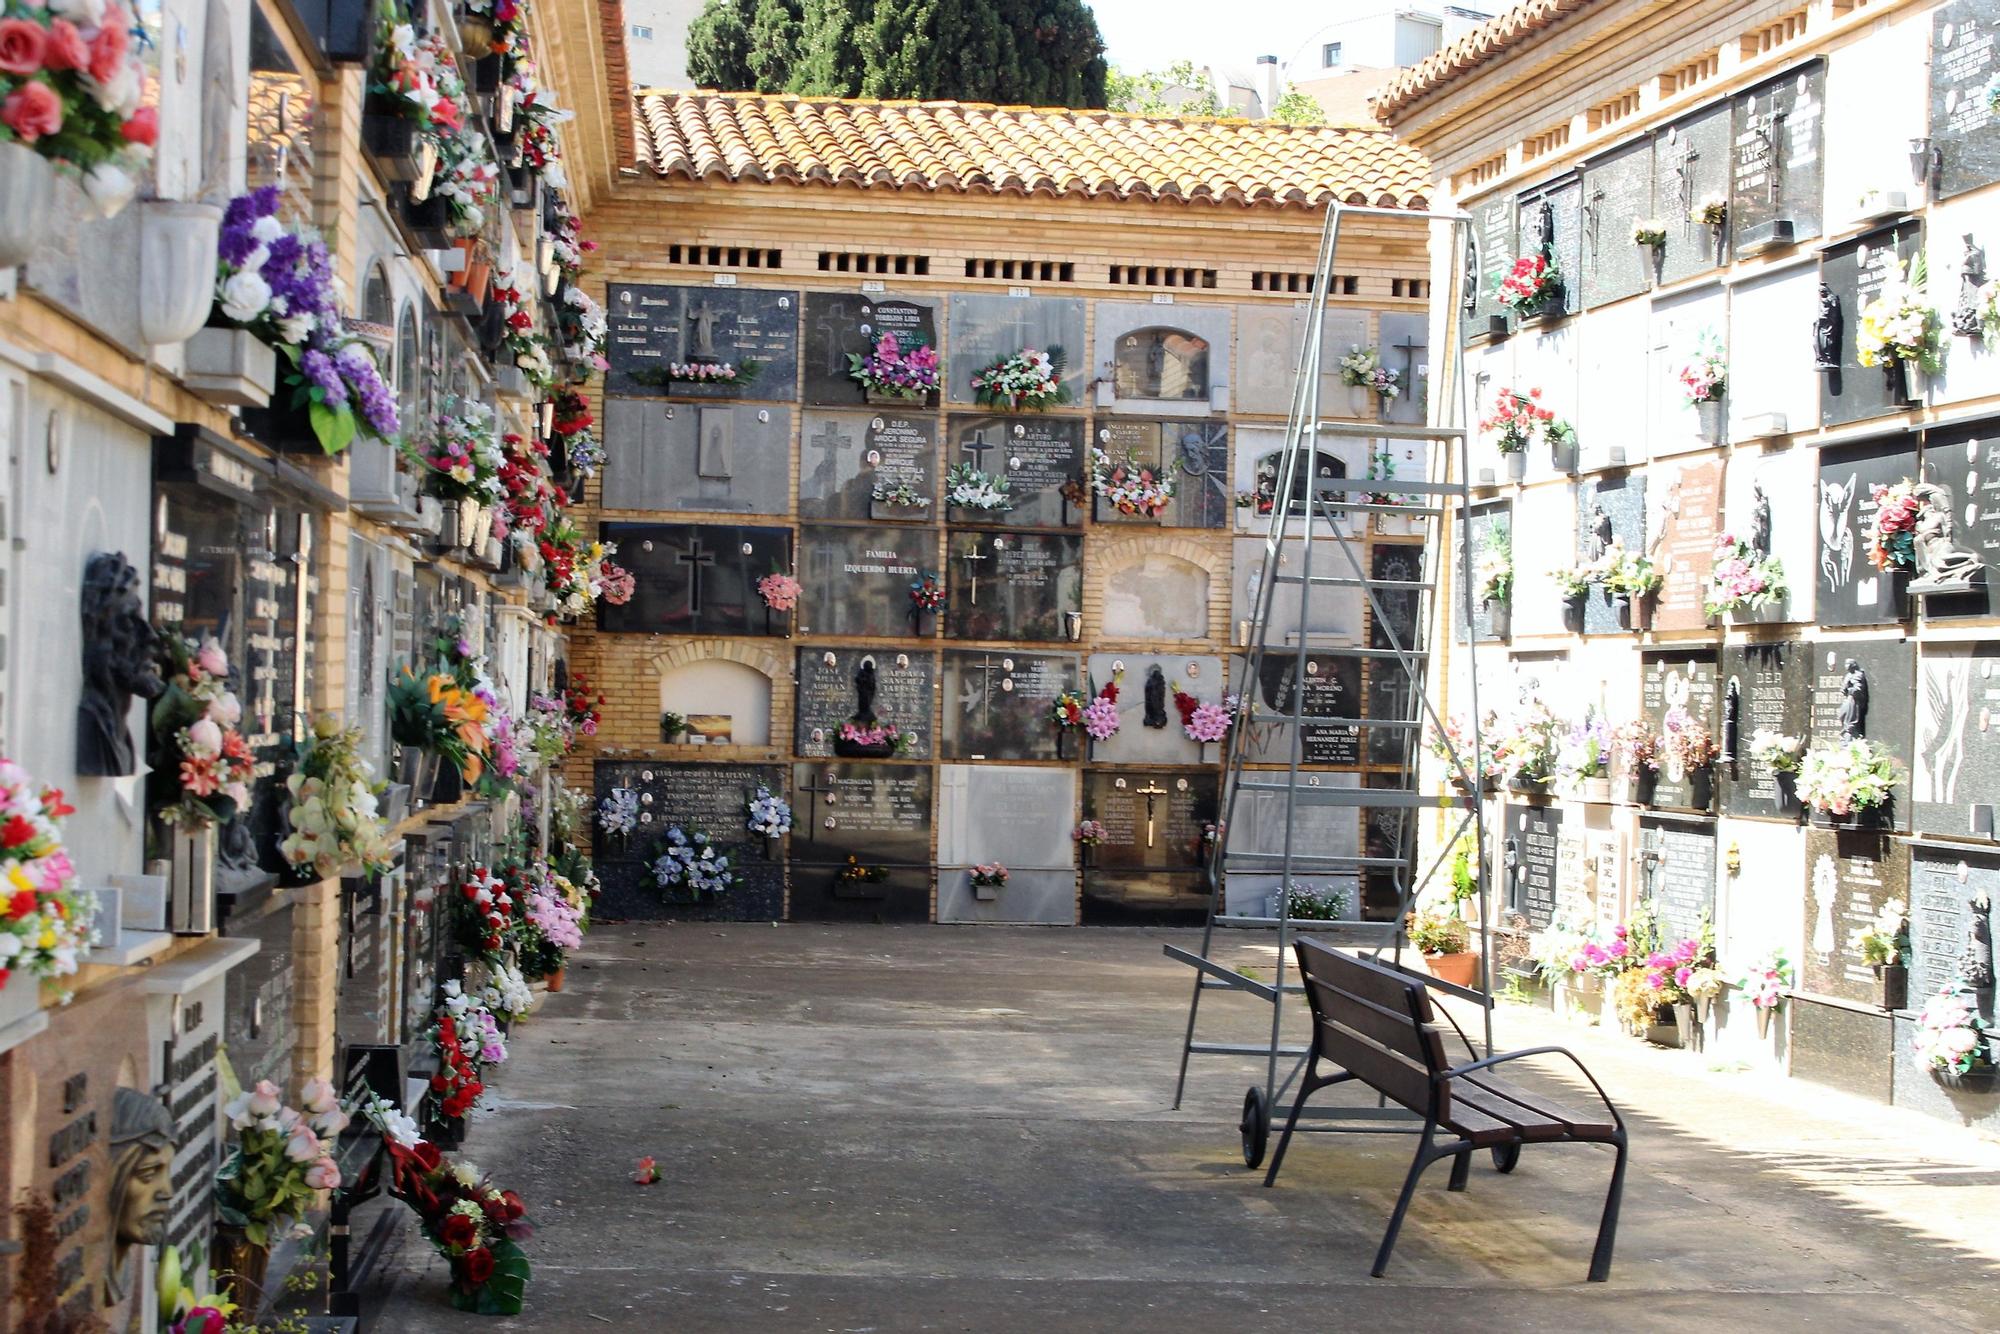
x=476, y=1226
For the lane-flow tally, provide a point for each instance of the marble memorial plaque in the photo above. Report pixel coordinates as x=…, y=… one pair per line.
x=846, y=457
x=1330, y=615
x=1162, y=358
x=1865, y=688
x=878, y=814
x=1768, y=687
x=721, y=458
x=1950, y=890
x=1267, y=358
x=1193, y=454
x=1019, y=816
x=1259, y=826
x=655, y=327
x=1609, y=509
x=257, y=1009
x=840, y=325
x=711, y=799
x=193, y=1093
x=1691, y=165
x=1405, y=349
x=1753, y=509
x=988, y=328
x=1042, y=459
x=1152, y=820
x=1045, y=898
x=1332, y=690
x=1154, y=595
x=1617, y=192
x=1677, y=871
x=1687, y=515
x=1016, y=586
x=1551, y=216
x=1776, y=159
x=1851, y=590
x=1849, y=876
x=1842, y=1048
x=1965, y=462
x=1492, y=532
x=1494, y=249
x=1957, y=739
x=1531, y=853
x=696, y=579
x=829, y=893
x=857, y=580
x=1149, y=721
x=1854, y=272
x=999, y=704
x=1964, y=60
x=1679, y=680
x=832, y=682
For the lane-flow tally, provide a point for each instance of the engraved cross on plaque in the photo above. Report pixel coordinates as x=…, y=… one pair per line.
x=973, y=559
x=832, y=443
x=1682, y=165
x=1150, y=792
x=977, y=447
x=696, y=560
x=1593, y=216
x=987, y=669
x=821, y=786
x=1409, y=347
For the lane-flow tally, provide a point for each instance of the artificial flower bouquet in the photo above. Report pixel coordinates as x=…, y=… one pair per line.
x=486, y=914
x=584, y=704
x=1951, y=1037
x=1362, y=368
x=1631, y=576
x=476, y=1226
x=557, y=920
x=1089, y=833
x=1450, y=742
x=282, y=1159
x=1687, y=742
x=1573, y=582
x=692, y=862
x=1778, y=751
x=1847, y=777
x=770, y=815
x=45, y=921
x=989, y=875
x=1493, y=570
x=1526, y=747
x=1586, y=751
x=581, y=322
x=202, y=777
x=1636, y=748
x=1100, y=716
x=71, y=86
x=1131, y=487
x=1892, y=532
x=1203, y=721
x=1710, y=211
x=618, y=812
x=780, y=591
x=927, y=592
x=1067, y=711
x=1028, y=379
x=1740, y=579
x=1884, y=941
x=1899, y=324
x=896, y=369
x=436, y=714
x=1648, y=232
x=1764, y=982
x=1706, y=378
x=1529, y=284
x=1516, y=419
x=899, y=495
x=968, y=488
x=336, y=828
x=463, y=457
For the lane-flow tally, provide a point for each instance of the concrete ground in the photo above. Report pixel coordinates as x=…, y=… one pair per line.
x=934, y=1128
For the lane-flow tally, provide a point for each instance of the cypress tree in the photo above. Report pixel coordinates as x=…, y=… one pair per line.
x=829, y=63
x=774, y=46
x=718, y=46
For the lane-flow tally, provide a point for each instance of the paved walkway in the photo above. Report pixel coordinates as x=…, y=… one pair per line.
x=968, y=1129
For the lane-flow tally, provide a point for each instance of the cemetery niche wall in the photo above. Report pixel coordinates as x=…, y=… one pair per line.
x=690, y=805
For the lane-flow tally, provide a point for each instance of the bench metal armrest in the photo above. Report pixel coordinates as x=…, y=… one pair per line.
x=1504, y=1057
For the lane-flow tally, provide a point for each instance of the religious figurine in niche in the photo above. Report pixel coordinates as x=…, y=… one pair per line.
x=864, y=691
x=1601, y=534
x=1826, y=331
x=1469, y=277
x=1854, y=702
x=1966, y=320
x=119, y=649
x=1732, y=717
x=1545, y=230
x=701, y=319
x=1975, y=964
x=1156, y=698
x=1760, y=521
x=864, y=736
x=1943, y=566
x=142, y=1182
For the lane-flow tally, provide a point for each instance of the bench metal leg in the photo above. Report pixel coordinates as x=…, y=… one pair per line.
x=1461, y=1167
x=1307, y=1087
x=1425, y=1157
x=1607, y=1227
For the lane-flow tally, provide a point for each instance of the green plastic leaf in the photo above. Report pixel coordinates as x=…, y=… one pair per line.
x=334, y=427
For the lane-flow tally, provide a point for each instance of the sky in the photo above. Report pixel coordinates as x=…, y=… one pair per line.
x=1152, y=34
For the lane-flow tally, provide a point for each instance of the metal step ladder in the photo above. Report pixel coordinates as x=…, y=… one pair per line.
x=1338, y=510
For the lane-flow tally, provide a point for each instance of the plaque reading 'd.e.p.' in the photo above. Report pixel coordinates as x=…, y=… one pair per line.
x=865, y=815
x=1690, y=171
x=1687, y=515
x=1193, y=456
x=1863, y=688
x=1849, y=876
x=1332, y=689
x=1680, y=681
x=1769, y=688
x=1851, y=590
x=1677, y=870
x=1152, y=820
x=1617, y=193
x=1953, y=895
x=857, y=580
x=1041, y=459
x=856, y=465
x=657, y=332
x=1964, y=464
x=841, y=325
x=1019, y=586
x=717, y=457
x=1964, y=129
x=1854, y=273
x=837, y=685
x=986, y=329
x=1610, y=511
x=1955, y=782
x=711, y=799
x=696, y=578
x=999, y=704
x=1533, y=833
x=1775, y=162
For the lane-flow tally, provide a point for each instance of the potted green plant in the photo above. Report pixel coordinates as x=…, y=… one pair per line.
x=1633, y=581
x=1446, y=944
x=1493, y=574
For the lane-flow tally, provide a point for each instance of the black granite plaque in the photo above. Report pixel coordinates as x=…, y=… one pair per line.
x=878, y=814
x=1683, y=680
x=1851, y=590
x=847, y=458
x=1145, y=898
x=828, y=893
x=857, y=580
x=1332, y=690
x=1530, y=852
x=1153, y=819
x=1849, y=876
x=1691, y=162
x=986, y=328
x=1195, y=454
x=832, y=682
x=1677, y=868
x=1609, y=508
x=1882, y=698
x=1494, y=250
x=1776, y=164
x=257, y=1023
x=696, y=579
x=1772, y=691
x=719, y=458
x=1950, y=888
x=1558, y=202
x=998, y=705
x=1965, y=461
x=653, y=328
x=1617, y=192
x=844, y=324
x=1042, y=460
x=1854, y=271
x=1016, y=586
x=1491, y=524
x=1842, y=1048
x=711, y=799
x=1965, y=132
x=1957, y=741
x=1390, y=693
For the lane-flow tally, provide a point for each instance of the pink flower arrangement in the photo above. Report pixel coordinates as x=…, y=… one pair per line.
x=989, y=875
x=869, y=734
x=1705, y=378
x=890, y=370
x=1089, y=833
x=70, y=87
x=616, y=584
x=1208, y=722
x=1892, y=534
x=1605, y=956
x=1765, y=982
x=1100, y=718
x=702, y=372
x=1740, y=579
x=779, y=591
x=1517, y=418
x=1531, y=281
x=1949, y=1035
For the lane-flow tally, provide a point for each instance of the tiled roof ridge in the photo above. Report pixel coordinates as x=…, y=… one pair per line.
x=1484, y=44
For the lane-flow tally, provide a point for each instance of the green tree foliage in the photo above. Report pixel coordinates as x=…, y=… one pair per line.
x=776, y=36
x=1297, y=108
x=1146, y=93
x=718, y=45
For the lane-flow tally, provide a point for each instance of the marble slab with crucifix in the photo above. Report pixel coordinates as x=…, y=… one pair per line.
x=1153, y=819
x=985, y=328
x=653, y=327
x=1691, y=167
x=856, y=581
x=999, y=705
x=1617, y=192
x=847, y=458
x=711, y=457
x=696, y=578
x=840, y=325
x=1042, y=460
x=1777, y=160
x=1013, y=586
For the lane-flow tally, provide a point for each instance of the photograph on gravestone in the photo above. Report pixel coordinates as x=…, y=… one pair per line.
x=697, y=579
x=1691, y=173
x=1963, y=464
x=1852, y=591
x=702, y=342
x=1529, y=854
x=257, y=1024
x=847, y=699
x=1332, y=690
x=857, y=465
x=1768, y=687
x=1160, y=361
x=1551, y=224
x=1680, y=533
x=1018, y=586
x=717, y=457
x=1041, y=460
x=1677, y=874
x=1618, y=198
x=1955, y=782
x=858, y=580
x=860, y=816
x=1151, y=688
x=1492, y=551
x=1849, y=876
x=1954, y=908
x=1153, y=595
x=1776, y=162
x=999, y=704
x=985, y=329
x=1610, y=517
x=847, y=328
x=1681, y=685
x=1330, y=615
x=1854, y=272
x=1866, y=689
x=1190, y=456
x=708, y=799
x=1405, y=349
x=1494, y=248
x=1965, y=131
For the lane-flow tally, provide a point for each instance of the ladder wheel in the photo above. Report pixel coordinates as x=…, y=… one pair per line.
x=1256, y=1126
x=1505, y=1156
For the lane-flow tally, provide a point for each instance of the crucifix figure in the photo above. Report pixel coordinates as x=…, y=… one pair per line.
x=987, y=669
x=973, y=559
x=1682, y=165
x=696, y=560
x=1593, y=214
x=977, y=446
x=1409, y=347
x=1150, y=792
x=1773, y=137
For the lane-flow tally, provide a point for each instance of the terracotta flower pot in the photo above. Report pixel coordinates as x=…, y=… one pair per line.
x=554, y=979
x=1458, y=969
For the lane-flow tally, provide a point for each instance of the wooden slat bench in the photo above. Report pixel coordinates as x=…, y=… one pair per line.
x=1374, y=1024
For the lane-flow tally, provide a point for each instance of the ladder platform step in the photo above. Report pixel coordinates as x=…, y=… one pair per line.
x=1259, y=717
x=1349, y=581
x=1360, y=507
x=1338, y=933
x=1350, y=796
x=1387, y=431
x=1242, y=1049
x=1303, y=863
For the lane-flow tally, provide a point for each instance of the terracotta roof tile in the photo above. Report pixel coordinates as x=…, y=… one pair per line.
x=1483, y=45
x=973, y=148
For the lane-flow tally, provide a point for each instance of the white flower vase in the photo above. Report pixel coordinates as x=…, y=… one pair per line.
x=27, y=184
x=193, y=874
x=1908, y=381
x=1517, y=465
x=177, y=242
x=20, y=997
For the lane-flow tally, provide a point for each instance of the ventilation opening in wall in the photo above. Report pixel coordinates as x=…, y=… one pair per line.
x=1414, y=288
x=1691, y=75
x=1154, y=275
x=1022, y=270
x=1615, y=109
x=842, y=261
x=1548, y=141
x=725, y=256
x=1771, y=36
x=1344, y=284
x=1479, y=174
